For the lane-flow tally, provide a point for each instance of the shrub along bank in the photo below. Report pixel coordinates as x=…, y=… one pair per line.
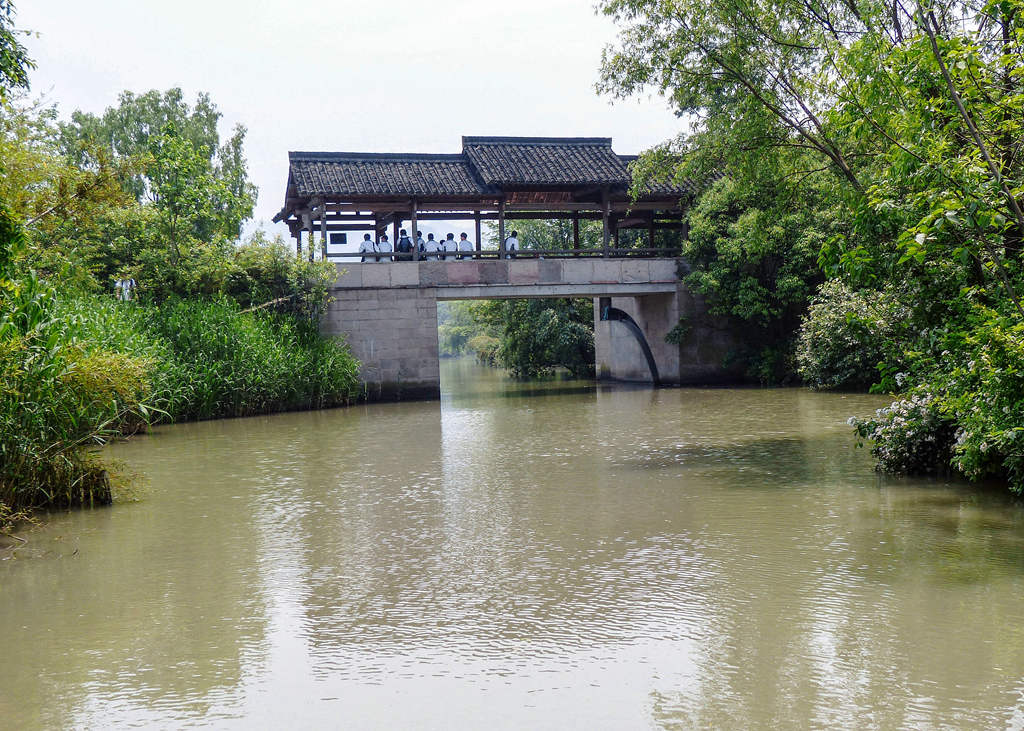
x=76, y=371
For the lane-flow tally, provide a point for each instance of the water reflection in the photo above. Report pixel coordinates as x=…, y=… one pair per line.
x=523, y=555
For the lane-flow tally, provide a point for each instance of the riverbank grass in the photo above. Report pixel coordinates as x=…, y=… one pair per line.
x=78, y=371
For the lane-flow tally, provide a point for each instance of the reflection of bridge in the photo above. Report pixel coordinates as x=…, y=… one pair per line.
x=388, y=313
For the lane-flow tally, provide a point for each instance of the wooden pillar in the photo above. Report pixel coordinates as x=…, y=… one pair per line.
x=650, y=231
x=576, y=231
x=412, y=234
x=605, y=213
x=615, y=231
x=394, y=231
x=501, y=229
x=479, y=241
x=323, y=232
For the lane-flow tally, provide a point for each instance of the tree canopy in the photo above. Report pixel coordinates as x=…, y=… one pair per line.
x=199, y=185
x=14, y=61
x=887, y=136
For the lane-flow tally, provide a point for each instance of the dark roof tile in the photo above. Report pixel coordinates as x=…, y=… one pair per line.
x=547, y=161
x=372, y=174
x=686, y=188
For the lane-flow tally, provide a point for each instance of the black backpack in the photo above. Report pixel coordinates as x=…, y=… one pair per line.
x=404, y=245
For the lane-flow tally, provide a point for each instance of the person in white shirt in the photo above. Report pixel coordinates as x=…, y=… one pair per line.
x=431, y=247
x=512, y=245
x=124, y=288
x=449, y=247
x=384, y=245
x=465, y=245
x=419, y=241
x=367, y=246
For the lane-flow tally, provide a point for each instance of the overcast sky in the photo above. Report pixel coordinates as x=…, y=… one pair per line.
x=369, y=76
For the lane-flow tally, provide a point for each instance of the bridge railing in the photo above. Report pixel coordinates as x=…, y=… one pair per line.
x=517, y=254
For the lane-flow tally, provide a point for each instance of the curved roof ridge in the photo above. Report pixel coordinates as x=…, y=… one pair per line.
x=301, y=155
x=602, y=141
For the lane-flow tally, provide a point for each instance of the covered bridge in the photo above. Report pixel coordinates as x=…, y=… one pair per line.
x=493, y=178
x=387, y=308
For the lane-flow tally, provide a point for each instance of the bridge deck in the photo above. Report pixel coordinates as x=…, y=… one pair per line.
x=514, y=278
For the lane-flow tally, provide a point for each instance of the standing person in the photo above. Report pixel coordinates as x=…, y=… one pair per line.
x=448, y=245
x=465, y=245
x=419, y=241
x=385, y=246
x=404, y=244
x=124, y=287
x=431, y=247
x=512, y=245
x=366, y=246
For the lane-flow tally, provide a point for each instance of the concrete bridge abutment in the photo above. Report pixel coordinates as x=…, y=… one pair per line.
x=698, y=358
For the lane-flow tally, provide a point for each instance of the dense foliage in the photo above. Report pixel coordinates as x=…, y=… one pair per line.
x=901, y=122
x=455, y=328
x=537, y=336
x=56, y=394
x=14, y=60
x=214, y=328
x=849, y=335
x=753, y=249
x=209, y=359
x=890, y=131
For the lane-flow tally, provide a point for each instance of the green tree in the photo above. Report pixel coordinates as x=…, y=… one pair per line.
x=752, y=252
x=912, y=113
x=914, y=109
x=14, y=61
x=540, y=335
x=161, y=131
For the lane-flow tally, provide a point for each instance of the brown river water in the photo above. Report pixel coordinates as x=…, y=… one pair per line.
x=521, y=556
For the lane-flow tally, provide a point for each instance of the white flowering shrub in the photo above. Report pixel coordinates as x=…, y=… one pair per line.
x=967, y=413
x=911, y=436
x=846, y=334
x=985, y=391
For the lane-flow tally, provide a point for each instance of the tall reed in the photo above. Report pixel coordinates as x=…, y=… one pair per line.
x=77, y=371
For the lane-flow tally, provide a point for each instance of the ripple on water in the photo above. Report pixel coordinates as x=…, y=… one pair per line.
x=521, y=557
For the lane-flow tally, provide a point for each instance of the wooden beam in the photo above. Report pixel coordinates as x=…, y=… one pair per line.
x=323, y=232
x=501, y=230
x=479, y=240
x=351, y=227
x=412, y=234
x=605, y=213
x=576, y=231
x=342, y=217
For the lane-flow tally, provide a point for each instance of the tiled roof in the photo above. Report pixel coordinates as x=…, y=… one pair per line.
x=488, y=166
x=659, y=188
x=372, y=174
x=549, y=161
